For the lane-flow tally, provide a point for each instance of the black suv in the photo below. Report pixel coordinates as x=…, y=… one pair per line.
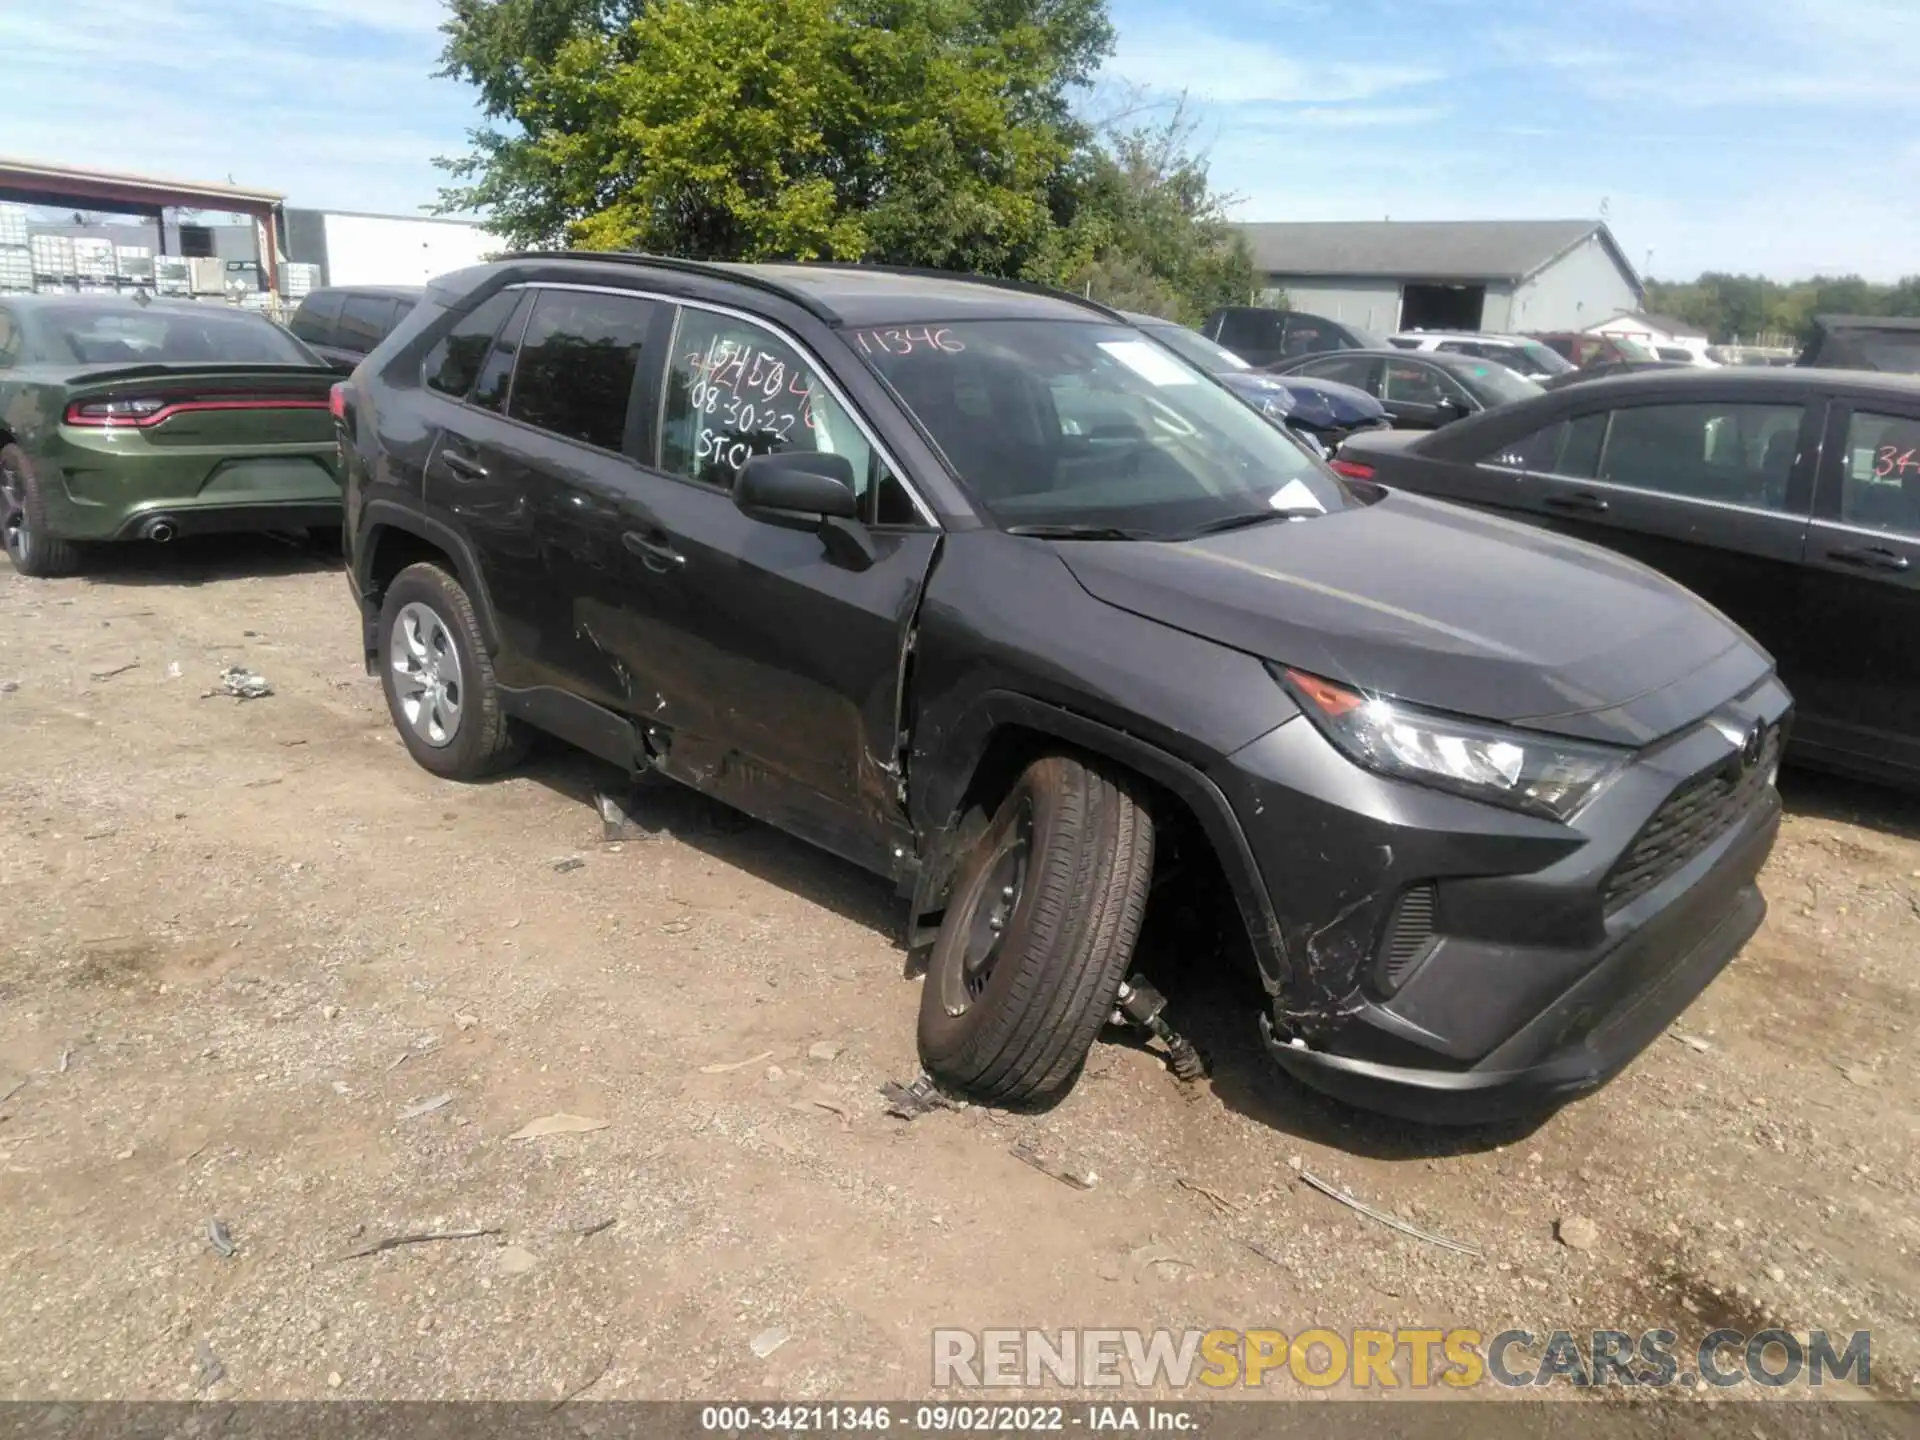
x=1262, y=336
x=984, y=590
x=344, y=325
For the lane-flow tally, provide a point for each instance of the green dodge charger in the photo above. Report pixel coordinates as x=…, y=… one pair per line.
x=140, y=419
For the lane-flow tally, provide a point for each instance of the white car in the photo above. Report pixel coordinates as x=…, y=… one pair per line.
x=1519, y=353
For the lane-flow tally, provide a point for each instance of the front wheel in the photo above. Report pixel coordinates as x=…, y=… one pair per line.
x=1038, y=934
x=23, y=521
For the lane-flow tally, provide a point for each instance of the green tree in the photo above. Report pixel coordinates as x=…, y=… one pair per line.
x=924, y=132
x=921, y=131
x=1150, y=233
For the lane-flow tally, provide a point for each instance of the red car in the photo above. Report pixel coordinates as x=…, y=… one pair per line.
x=1584, y=350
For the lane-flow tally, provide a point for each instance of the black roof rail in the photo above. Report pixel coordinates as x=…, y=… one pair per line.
x=1026, y=287
x=711, y=270
x=742, y=273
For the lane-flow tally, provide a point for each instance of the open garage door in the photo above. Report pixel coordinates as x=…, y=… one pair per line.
x=1442, y=307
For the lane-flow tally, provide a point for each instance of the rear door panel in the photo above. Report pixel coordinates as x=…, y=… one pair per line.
x=1741, y=557
x=1859, y=680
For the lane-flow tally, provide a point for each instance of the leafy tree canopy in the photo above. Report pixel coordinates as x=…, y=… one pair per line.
x=925, y=132
x=1753, y=309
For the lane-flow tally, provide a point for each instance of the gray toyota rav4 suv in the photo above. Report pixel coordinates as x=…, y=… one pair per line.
x=981, y=588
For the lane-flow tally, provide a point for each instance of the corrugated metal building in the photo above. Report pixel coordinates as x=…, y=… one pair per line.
x=1502, y=275
x=355, y=249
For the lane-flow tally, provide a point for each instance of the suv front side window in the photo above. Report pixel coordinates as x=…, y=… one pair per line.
x=736, y=389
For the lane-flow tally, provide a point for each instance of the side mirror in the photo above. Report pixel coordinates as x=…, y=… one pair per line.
x=1451, y=409
x=800, y=483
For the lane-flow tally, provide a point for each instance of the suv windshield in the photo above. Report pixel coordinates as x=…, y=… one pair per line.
x=1194, y=347
x=1063, y=423
x=98, y=335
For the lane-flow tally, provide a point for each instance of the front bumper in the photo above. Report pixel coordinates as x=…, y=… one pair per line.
x=1535, y=973
x=1629, y=994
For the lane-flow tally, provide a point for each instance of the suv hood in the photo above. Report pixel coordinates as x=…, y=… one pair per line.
x=1447, y=608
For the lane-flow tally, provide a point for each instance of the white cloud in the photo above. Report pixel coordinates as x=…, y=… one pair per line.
x=1235, y=70
x=332, y=102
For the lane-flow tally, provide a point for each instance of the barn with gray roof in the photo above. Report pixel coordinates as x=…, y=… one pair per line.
x=1388, y=275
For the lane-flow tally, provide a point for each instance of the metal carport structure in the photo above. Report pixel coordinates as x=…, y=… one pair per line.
x=71, y=187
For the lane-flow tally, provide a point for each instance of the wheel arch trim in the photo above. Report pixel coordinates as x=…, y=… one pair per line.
x=378, y=515
x=970, y=741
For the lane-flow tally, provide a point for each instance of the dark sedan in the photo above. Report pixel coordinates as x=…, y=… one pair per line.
x=1324, y=410
x=1421, y=390
x=1789, y=498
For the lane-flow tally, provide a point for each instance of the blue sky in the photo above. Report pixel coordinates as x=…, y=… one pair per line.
x=1724, y=134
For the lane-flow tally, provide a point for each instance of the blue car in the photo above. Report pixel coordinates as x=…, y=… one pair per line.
x=1322, y=410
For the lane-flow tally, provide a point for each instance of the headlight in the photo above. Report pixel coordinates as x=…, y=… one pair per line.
x=1539, y=773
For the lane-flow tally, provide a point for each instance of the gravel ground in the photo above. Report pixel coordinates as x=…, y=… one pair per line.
x=262, y=969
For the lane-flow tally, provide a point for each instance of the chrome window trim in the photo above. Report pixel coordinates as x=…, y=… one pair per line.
x=1615, y=485
x=788, y=337
x=1868, y=532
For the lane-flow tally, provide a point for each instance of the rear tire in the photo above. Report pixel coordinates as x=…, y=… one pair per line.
x=439, y=679
x=23, y=521
x=1038, y=934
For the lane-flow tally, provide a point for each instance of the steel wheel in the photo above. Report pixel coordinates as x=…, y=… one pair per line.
x=991, y=905
x=13, y=517
x=426, y=674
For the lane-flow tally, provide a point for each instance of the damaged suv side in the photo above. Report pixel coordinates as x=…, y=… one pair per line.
x=982, y=589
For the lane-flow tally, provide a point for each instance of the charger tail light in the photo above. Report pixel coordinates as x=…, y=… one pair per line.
x=1352, y=469
x=114, y=412
x=145, y=411
x=337, y=401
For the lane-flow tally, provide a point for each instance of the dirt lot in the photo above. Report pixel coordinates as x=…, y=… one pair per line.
x=246, y=940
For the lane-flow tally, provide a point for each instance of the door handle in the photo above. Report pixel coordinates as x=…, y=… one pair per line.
x=657, y=555
x=465, y=466
x=1870, y=557
x=1583, y=501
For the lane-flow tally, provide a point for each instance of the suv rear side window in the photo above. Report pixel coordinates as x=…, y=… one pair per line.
x=314, y=321
x=364, y=322
x=1730, y=453
x=490, y=391
x=1880, y=488
x=454, y=364
x=1251, y=329
x=578, y=361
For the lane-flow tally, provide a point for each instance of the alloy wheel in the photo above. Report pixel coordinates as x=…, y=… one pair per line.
x=14, y=529
x=427, y=680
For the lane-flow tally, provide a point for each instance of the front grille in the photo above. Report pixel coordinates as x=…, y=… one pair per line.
x=1409, y=933
x=1693, y=817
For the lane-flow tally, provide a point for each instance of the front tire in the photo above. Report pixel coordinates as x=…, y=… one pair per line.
x=439, y=678
x=1038, y=935
x=23, y=521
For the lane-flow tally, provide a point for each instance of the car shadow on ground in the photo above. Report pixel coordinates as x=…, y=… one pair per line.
x=661, y=807
x=206, y=560
x=1212, y=1000
x=1821, y=796
x=1215, y=1001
